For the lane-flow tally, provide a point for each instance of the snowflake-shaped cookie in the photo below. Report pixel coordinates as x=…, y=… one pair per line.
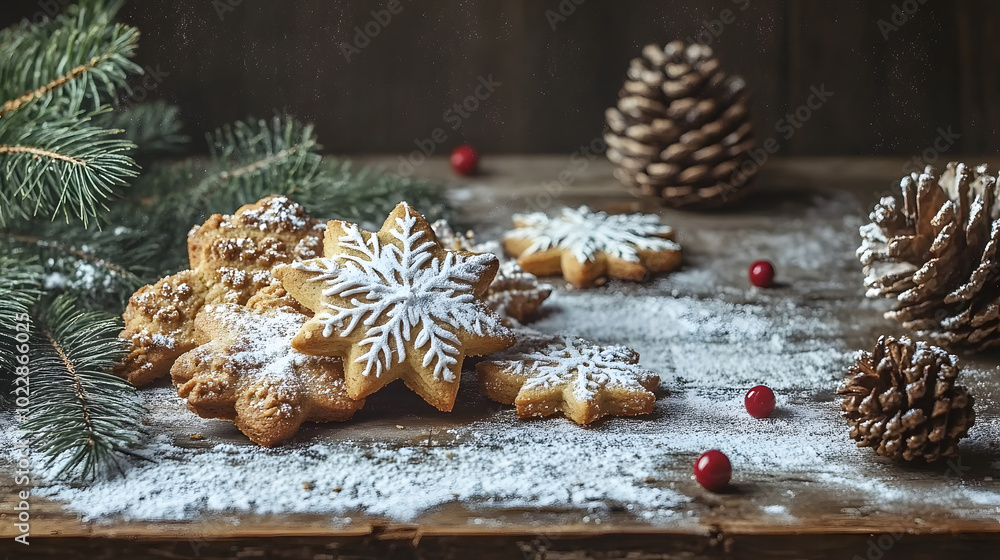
x=231, y=258
x=246, y=371
x=395, y=305
x=588, y=246
x=543, y=375
x=514, y=293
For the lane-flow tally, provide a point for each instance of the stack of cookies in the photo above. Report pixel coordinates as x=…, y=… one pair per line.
x=282, y=319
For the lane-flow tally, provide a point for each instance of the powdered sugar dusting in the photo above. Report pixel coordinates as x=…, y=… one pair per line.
x=277, y=211
x=262, y=348
x=703, y=330
x=556, y=361
x=415, y=291
x=585, y=233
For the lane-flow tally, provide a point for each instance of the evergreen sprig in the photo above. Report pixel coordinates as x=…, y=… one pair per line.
x=75, y=244
x=252, y=159
x=54, y=78
x=71, y=64
x=20, y=286
x=368, y=194
x=62, y=167
x=154, y=127
x=81, y=418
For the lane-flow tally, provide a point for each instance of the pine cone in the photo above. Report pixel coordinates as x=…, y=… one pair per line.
x=901, y=400
x=936, y=255
x=682, y=128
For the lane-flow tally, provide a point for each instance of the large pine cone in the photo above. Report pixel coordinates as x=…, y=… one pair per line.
x=936, y=255
x=902, y=400
x=681, y=130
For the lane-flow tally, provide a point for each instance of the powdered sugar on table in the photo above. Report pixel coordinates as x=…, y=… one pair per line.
x=703, y=330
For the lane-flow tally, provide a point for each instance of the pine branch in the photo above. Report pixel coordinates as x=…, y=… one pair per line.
x=83, y=419
x=252, y=159
x=101, y=267
x=73, y=62
x=154, y=127
x=19, y=289
x=67, y=167
x=368, y=193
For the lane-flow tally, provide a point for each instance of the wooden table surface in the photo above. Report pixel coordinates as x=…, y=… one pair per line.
x=826, y=523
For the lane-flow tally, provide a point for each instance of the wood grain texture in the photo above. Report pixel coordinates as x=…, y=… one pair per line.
x=727, y=525
x=893, y=87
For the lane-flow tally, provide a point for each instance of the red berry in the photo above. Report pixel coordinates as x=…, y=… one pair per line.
x=762, y=274
x=713, y=470
x=759, y=401
x=464, y=159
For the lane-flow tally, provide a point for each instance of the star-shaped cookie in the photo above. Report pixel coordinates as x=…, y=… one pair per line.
x=586, y=246
x=231, y=257
x=246, y=370
x=396, y=305
x=514, y=293
x=543, y=375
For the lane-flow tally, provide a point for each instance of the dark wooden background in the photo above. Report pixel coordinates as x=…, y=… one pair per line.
x=226, y=59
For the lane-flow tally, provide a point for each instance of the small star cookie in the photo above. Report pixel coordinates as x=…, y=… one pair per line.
x=231, y=258
x=542, y=375
x=589, y=246
x=246, y=371
x=513, y=293
x=395, y=305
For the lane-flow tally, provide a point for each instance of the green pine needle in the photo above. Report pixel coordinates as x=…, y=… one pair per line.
x=20, y=283
x=252, y=159
x=82, y=419
x=367, y=194
x=68, y=65
x=154, y=127
x=64, y=167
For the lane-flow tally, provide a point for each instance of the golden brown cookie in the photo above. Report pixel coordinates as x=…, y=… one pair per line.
x=515, y=293
x=231, y=258
x=246, y=371
x=586, y=247
x=395, y=305
x=543, y=375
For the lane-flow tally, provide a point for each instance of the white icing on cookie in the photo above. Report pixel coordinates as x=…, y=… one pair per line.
x=554, y=361
x=400, y=290
x=585, y=233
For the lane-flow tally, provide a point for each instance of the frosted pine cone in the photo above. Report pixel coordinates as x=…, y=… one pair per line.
x=935, y=253
x=681, y=129
x=901, y=400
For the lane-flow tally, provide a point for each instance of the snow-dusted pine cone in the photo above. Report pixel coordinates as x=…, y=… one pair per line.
x=901, y=400
x=681, y=129
x=935, y=253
